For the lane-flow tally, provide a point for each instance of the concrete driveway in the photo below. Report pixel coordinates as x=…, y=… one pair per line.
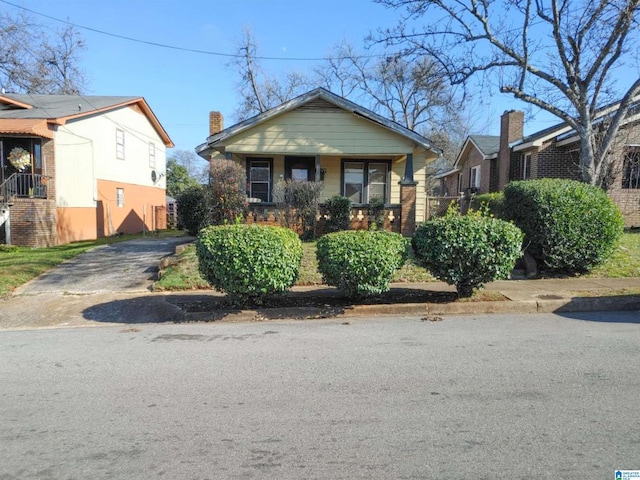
x=129, y=266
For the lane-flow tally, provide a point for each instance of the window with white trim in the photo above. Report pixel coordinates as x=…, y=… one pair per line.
x=152, y=155
x=120, y=144
x=120, y=197
x=365, y=180
x=474, y=177
x=259, y=179
x=526, y=166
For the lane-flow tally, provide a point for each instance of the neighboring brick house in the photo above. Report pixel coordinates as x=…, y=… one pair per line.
x=75, y=167
x=549, y=153
x=474, y=168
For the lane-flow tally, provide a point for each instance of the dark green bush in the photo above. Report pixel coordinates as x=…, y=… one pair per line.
x=467, y=250
x=192, y=210
x=249, y=262
x=493, y=203
x=360, y=263
x=339, y=210
x=569, y=226
x=376, y=214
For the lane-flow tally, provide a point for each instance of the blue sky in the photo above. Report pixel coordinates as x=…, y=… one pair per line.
x=182, y=87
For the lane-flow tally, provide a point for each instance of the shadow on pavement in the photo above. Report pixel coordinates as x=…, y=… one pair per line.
x=595, y=308
x=181, y=307
x=620, y=316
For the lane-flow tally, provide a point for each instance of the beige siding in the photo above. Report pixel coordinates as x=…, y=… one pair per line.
x=311, y=132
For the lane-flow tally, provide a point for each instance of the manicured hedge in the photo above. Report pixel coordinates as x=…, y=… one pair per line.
x=569, y=226
x=467, y=250
x=360, y=263
x=249, y=262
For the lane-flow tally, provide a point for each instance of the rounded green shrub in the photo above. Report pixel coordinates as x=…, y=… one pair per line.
x=360, y=263
x=468, y=250
x=569, y=226
x=249, y=262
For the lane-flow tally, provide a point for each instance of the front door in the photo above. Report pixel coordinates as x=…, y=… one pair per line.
x=300, y=168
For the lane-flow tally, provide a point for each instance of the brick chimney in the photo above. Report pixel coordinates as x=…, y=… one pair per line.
x=216, y=122
x=511, y=129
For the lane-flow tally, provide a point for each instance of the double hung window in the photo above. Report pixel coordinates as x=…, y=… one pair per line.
x=259, y=179
x=365, y=180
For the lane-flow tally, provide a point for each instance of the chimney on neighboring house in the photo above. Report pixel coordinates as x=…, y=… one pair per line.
x=216, y=122
x=511, y=129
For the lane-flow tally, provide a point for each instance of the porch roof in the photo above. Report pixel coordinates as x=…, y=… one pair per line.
x=25, y=126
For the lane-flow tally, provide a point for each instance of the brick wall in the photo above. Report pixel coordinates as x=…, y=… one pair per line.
x=33, y=222
x=475, y=159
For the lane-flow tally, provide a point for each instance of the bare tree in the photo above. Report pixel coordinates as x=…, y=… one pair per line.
x=558, y=55
x=414, y=94
x=196, y=167
x=258, y=90
x=32, y=61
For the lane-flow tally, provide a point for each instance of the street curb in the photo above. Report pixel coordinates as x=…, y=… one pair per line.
x=576, y=304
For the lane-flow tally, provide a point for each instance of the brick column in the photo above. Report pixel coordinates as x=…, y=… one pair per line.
x=408, y=212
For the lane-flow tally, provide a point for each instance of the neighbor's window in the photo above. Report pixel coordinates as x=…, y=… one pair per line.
x=364, y=181
x=152, y=155
x=631, y=169
x=526, y=166
x=259, y=179
x=120, y=144
x=120, y=197
x=474, y=177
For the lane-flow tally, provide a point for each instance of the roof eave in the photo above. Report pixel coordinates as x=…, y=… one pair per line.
x=330, y=97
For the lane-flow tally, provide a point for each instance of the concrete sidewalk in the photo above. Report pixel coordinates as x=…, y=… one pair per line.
x=51, y=309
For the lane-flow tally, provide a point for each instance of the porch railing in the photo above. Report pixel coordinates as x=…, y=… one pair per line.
x=24, y=185
x=268, y=213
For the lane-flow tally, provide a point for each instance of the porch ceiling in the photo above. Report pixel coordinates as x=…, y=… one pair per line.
x=25, y=126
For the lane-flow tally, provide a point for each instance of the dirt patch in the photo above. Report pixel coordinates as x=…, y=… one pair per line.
x=328, y=298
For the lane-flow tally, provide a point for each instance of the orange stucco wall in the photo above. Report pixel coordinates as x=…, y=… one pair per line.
x=107, y=218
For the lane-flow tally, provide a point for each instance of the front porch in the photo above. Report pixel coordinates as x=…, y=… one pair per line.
x=360, y=178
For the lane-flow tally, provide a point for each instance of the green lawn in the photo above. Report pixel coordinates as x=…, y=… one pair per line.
x=18, y=265
x=625, y=262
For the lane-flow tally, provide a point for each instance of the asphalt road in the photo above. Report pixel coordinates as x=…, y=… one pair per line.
x=129, y=266
x=517, y=397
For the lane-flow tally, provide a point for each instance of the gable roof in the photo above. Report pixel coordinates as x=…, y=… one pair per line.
x=488, y=145
x=318, y=93
x=24, y=109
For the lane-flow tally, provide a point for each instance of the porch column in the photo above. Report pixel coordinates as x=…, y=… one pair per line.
x=408, y=211
x=408, y=169
x=408, y=188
